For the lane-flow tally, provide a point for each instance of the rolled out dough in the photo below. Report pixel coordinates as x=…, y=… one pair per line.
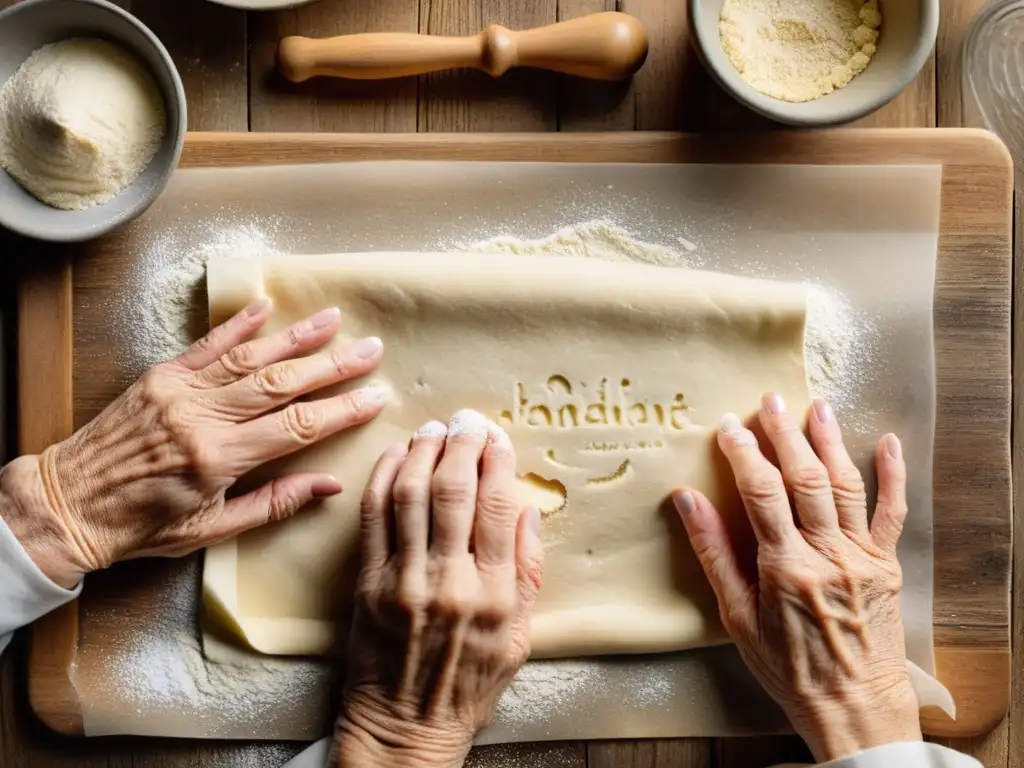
x=610, y=378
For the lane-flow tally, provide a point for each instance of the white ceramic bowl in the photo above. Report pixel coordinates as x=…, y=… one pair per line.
x=909, y=29
x=30, y=25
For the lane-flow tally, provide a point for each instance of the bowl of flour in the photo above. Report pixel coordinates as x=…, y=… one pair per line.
x=92, y=118
x=814, y=62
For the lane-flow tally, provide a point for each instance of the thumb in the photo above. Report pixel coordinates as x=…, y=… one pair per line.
x=272, y=502
x=529, y=574
x=529, y=557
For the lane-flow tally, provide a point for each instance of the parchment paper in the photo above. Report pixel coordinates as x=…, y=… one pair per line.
x=868, y=232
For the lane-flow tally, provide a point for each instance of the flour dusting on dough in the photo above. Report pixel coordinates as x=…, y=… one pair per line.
x=599, y=239
x=838, y=345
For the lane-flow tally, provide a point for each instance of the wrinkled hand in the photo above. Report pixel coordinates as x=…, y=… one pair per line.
x=817, y=619
x=451, y=570
x=148, y=476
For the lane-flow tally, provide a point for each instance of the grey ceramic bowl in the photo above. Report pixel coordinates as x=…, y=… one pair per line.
x=909, y=29
x=31, y=24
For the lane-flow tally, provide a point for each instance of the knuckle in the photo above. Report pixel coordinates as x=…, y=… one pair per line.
x=275, y=380
x=340, y=363
x=453, y=603
x=151, y=388
x=496, y=610
x=409, y=596
x=201, y=456
x=532, y=574
x=849, y=484
x=451, y=488
x=498, y=506
x=283, y=502
x=763, y=486
x=240, y=360
x=407, y=492
x=810, y=480
x=303, y=422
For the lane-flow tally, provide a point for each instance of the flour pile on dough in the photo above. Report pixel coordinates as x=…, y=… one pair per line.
x=599, y=239
x=79, y=121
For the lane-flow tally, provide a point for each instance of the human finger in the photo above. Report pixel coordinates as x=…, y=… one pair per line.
x=412, y=489
x=736, y=593
x=802, y=471
x=375, y=508
x=298, y=426
x=891, y=509
x=453, y=492
x=529, y=559
x=758, y=481
x=228, y=334
x=284, y=381
x=497, y=507
x=272, y=502
x=848, y=493
x=251, y=356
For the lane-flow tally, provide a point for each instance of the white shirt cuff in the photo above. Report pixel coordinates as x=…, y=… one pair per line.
x=910, y=754
x=26, y=593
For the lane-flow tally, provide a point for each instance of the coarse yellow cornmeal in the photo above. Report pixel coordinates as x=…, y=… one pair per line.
x=799, y=50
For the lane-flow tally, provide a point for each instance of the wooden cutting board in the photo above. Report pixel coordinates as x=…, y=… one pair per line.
x=63, y=385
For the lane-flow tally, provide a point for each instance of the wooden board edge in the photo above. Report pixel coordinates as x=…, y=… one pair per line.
x=980, y=705
x=964, y=146
x=46, y=415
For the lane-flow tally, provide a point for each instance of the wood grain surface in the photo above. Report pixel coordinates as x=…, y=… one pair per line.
x=224, y=57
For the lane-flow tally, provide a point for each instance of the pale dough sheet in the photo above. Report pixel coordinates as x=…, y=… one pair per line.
x=610, y=378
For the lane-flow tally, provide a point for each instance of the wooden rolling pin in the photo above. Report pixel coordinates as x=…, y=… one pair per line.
x=602, y=46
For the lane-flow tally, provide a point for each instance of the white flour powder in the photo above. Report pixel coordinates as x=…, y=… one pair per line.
x=79, y=121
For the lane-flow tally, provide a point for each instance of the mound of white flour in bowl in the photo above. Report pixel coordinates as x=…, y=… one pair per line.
x=79, y=121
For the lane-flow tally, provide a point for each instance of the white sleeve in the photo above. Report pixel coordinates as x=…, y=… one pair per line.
x=911, y=754
x=313, y=757
x=26, y=593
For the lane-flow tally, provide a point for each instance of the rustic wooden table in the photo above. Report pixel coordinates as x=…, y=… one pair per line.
x=226, y=59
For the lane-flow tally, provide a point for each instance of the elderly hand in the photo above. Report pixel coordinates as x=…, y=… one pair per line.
x=451, y=570
x=817, y=619
x=148, y=476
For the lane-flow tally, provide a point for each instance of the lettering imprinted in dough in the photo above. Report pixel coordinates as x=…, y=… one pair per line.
x=609, y=378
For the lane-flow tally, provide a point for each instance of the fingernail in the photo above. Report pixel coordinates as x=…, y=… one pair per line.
x=257, y=306
x=324, y=317
x=685, y=503
x=733, y=427
x=533, y=521
x=468, y=422
x=773, y=403
x=823, y=411
x=397, y=451
x=498, y=436
x=374, y=395
x=731, y=424
x=893, y=449
x=368, y=347
x=432, y=429
x=324, y=487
